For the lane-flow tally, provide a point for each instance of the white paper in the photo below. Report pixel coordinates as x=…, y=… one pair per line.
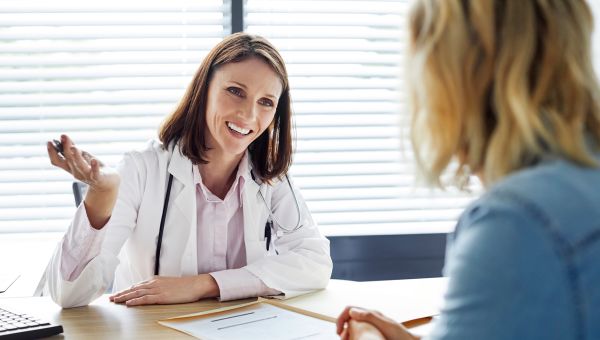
x=259, y=321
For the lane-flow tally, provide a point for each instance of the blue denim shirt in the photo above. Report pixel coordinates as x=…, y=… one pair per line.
x=524, y=261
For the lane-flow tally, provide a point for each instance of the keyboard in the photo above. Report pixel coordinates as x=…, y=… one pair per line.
x=23, y=326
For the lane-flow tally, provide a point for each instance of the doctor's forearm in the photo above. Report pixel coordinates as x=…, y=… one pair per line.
x=99, y=206
x=206, y=286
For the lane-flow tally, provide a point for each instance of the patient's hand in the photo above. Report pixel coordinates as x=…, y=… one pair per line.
x=360, y=330
x=358, y=323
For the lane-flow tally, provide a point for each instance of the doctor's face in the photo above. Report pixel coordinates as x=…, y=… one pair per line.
x=241, y=104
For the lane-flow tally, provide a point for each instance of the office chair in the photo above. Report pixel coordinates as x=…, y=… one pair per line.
x=79, y=189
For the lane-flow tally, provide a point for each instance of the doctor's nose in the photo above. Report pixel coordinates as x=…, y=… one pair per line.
x=248, y=112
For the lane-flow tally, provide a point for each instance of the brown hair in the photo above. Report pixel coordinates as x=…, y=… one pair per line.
x=271, y=152
x=502, y=84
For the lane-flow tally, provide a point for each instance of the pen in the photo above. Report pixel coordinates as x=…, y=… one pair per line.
x=58, y=146
x=417, y=322
x=268, y=227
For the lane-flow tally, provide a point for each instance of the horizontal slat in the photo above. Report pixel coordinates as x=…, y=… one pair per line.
x=95, y=98
x=394, y=204
x=35, y=225
x=111, y=6
x=36, y=200
x=347, y=132
x=80, y=124
x=332, y=7
x=91, y=111
x=348, y=45
x=323, y=19
x=101, y=71
x=92, y=135
x=393, y=228
x=101, y=58
x=50, y=87
x=111, y=32
x=355, y=181
x=102, y=45
x=403, y=216
x=350, y=169
x=115, y=18
x=328, y=32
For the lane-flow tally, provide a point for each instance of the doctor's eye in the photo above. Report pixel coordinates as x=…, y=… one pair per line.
x=236, y=91
x=265, y=102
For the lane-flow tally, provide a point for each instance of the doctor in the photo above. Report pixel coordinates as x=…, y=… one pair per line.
x=208, y=211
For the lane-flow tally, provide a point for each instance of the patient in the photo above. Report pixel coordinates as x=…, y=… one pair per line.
x=507, y=89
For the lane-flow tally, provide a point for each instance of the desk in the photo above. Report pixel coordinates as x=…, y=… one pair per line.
x=105, y=320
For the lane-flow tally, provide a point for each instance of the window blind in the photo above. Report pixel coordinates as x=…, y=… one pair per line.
x=353, y=162
x=105, y=73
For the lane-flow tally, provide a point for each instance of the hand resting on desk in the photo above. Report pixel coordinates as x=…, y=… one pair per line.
x=357, y=323
x=168, y=290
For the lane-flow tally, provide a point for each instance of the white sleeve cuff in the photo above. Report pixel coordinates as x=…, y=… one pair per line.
x=240, y=284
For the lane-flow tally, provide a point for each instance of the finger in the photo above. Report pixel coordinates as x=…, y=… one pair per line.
x=342, y=318
x=141, y=285
x=86, y=156
x=79, y=163
x=123, y=292
x=55, y=158
x=344, y=334
x=376, y=319
x=144, y=300
x=132, y=295
x=95, y=169
x=66, y=141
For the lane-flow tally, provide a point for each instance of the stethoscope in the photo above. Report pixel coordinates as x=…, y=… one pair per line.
x=268, y=225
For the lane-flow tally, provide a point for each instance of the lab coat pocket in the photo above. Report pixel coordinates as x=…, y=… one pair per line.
x=256, y=250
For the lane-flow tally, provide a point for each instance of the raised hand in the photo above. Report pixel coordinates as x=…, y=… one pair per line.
x=83, y=166
x=103, y=182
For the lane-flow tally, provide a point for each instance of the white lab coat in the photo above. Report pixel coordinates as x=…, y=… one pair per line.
x=127, y=254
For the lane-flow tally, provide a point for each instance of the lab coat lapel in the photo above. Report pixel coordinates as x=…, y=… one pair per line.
x=183, y=219
x=252, y=217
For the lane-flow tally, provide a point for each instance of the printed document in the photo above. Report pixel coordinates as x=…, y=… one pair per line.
x=255, y=321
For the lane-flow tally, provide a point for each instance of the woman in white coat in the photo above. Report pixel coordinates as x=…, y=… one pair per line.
x=233, y=224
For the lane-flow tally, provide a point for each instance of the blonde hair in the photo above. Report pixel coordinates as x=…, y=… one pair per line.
x=501, y=84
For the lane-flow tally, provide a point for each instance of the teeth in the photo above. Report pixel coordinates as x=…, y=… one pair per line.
x=238, y=129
